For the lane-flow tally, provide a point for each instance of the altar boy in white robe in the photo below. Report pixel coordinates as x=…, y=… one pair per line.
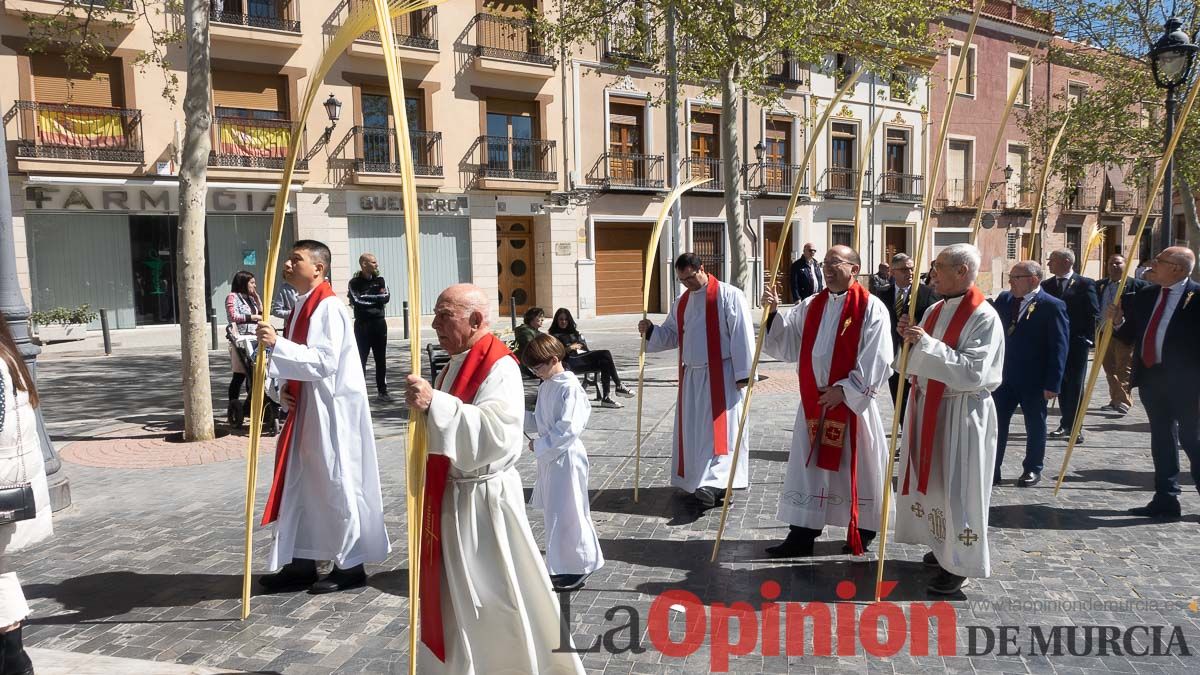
x=561, y=490
x=841, y=339
x=325, y=499
x=956, y=359
x=710, y=324
x=486, y=601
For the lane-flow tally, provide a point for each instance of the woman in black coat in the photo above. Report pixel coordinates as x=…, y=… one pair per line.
x=580, y=358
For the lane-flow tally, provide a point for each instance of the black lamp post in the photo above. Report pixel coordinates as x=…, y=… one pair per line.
x=1171, y=62
x=333, y=109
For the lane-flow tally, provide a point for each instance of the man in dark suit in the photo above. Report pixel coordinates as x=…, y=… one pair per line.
x=1083, y=309
x=805, y=274
x=1118, y=358
x=895, y=297
x=1035, y=355
x=1162, y=322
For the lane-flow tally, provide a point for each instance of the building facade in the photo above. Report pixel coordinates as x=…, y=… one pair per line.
x=539, y=177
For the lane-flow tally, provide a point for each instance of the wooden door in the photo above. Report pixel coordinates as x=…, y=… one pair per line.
x=783, y=282
x=514, y=260
x=895, y=240
x=624, y=143
x=620, y=268
x=778, y=155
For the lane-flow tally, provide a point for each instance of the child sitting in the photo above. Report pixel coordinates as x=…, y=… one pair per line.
x=561, y=490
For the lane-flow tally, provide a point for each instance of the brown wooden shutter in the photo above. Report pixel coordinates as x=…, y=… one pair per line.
x=255, y=91
x=621, y=113
x=53, y=83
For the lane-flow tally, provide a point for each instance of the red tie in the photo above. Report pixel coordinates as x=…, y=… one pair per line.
x=1150, y=340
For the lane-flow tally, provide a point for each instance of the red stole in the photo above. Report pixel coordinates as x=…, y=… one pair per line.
x=833, y=422
x=475, y=369
x=935, y=389
x=716, y=371
x=296, y=331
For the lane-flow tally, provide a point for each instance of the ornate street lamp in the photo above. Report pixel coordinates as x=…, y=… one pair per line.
x=1171, y=62
x=333, y=110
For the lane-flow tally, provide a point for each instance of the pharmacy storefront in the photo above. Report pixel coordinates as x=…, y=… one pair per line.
x=114, y=245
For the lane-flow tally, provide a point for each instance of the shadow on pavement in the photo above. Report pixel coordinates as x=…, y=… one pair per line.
x=392, y=582
x=1043, y=517
x=668, y=502
x=96, y=597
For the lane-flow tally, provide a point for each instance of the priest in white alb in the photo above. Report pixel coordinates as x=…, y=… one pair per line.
x=841, y=340
x=956, y=361
x=710, y=324
x=325, y=500
x=486, y=601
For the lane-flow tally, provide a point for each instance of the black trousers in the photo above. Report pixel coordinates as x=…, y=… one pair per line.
x=600, y=360
x=1033, y=409
x=893, y=383
x=1072, y=382
x=371, y=336
x=1173, y=417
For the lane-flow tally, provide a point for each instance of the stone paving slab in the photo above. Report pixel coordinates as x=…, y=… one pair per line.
x=147, y=562
x=57, y=662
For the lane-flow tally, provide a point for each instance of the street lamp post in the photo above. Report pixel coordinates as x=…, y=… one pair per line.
x=1171, y=62
x=16, y=313
x=748, y=195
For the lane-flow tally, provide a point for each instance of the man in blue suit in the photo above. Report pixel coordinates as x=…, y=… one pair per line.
x=1035, y=355
x=1162, y=322
x=1083, y=310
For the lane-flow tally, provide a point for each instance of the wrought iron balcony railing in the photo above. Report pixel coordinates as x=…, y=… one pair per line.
x=507, y=38
x=1082, y=198
x=901, y=187
x=628, y=40
x=251, y=143
x=696, y=168
x=1019, y=197
x=377, y=151
x=79, y=132
x=416, y=29
x=265, y=15
x=959, y=193
x=774, y=178
x=623, y=170
x=517, y=158
x=842, y=183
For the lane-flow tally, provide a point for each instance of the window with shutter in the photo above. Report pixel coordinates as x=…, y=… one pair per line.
x=53, y=82
x=238, y=93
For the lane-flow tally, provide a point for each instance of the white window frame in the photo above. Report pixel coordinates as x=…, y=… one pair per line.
x=973, y=66
x=1027, y=88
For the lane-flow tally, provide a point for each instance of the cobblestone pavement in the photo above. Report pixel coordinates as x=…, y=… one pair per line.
x=146, y=563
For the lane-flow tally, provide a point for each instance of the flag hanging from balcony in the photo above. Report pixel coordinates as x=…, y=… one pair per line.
x=79, y=129
x=246, y=140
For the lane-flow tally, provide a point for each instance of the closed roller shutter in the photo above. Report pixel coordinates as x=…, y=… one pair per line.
x=255, y=91
x=620, y=266
x=54, y=83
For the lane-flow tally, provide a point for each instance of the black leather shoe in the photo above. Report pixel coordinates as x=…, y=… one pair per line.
x=385, y=397
x=866, y=536
x=294, y=576
x=798, y=544
x=930, y=560
x=1059, y=433
x=946, y=583
x=566, y=583
x=1157, y=510
x=340, y=580
x=1029, y=479
x=13, y=658
x=709, y=496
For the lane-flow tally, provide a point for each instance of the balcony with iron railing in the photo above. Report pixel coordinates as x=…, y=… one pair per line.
x=958, y=194
x=377, y=150
x=775, y=179
x=699, y=168
x=901, y=187
x=270, y=15
x=628, y=40
x=243, y=143
x=510, y=40
x=842, y=183
x=415, y=30
x=516, y=163
x=783, y=70
x=628, y=172
x=57, y=131
x=1019, y=197
x=1082, y=199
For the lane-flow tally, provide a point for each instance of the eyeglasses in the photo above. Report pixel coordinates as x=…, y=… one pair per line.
x=835, y=263
x=1020, y=276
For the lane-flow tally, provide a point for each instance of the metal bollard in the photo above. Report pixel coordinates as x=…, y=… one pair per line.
x=105, y=332
x=212, y=320
x=405, y=304
x=512, y=310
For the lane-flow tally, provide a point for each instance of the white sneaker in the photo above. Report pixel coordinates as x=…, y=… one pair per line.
x=625, y=393
x=609, y=403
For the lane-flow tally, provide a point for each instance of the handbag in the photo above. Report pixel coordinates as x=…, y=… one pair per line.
x=16, y=499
